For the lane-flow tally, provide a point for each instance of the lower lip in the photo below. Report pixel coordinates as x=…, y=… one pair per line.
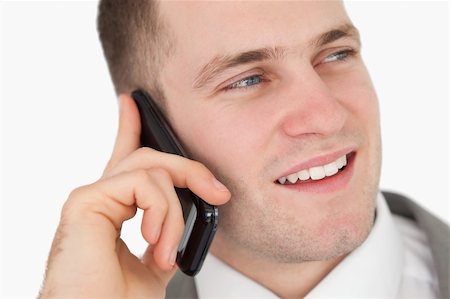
x=327, y=184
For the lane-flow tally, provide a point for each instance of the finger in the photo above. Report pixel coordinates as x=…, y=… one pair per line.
x=115, y=200
x=172, y=228
x=98, y=211
x=128, y=134
x=185, y=173
x=153, y=219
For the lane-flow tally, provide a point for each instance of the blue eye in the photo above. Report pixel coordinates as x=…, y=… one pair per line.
x=338, y=56
x=246, y=82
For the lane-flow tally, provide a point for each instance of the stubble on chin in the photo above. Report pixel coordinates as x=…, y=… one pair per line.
x=257, y=227
x=252, y=223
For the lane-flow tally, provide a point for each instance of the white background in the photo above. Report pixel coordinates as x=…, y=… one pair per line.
x=59, y=116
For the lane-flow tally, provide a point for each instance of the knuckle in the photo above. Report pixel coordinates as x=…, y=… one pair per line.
x=76, y=192
x=77, y=201
x=198, y=166
x=141, y=176
x=76, y=195
x=145, y=150
x=153, y=175
x=160, y=174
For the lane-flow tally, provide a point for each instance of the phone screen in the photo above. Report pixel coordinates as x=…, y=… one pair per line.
x=200, y=218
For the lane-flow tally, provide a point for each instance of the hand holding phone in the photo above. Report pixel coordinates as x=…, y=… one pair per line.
x=95, y=262
x=200, y=217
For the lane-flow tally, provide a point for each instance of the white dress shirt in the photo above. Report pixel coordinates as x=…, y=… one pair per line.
x=393, y=262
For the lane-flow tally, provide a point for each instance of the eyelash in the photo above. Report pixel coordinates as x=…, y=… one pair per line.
x=338, y=56
x=341, y=55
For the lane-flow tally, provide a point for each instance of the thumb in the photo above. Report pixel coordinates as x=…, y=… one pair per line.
x=128, y=134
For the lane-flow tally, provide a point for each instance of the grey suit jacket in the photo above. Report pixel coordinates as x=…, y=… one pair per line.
x=438, y=233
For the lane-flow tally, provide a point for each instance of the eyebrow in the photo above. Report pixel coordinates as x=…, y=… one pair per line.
x=220, y=63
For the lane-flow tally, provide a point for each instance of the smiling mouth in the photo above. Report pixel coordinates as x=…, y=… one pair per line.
x=316, y=173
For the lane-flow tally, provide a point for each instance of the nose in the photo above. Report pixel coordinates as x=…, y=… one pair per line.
x=311, y=108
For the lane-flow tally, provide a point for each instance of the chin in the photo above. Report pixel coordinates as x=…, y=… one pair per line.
x=344, y=226
x=278, y=229
x=341, y=235
x=284, y=238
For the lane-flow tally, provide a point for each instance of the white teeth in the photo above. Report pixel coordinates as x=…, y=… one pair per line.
x=316, y=172
x=292, y=178
x=303, y=175
x=331, y=169
x=341, y=162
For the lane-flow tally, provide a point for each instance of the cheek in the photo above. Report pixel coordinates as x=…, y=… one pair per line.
x=363, y=104
x=356, y=93
x=228, y=138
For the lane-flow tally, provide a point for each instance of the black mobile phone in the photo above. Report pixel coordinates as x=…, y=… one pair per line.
x=200, y=218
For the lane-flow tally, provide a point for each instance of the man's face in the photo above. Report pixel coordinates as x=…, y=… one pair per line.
x=258, y=91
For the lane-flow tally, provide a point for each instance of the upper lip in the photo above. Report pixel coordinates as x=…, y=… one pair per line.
x=317, y=161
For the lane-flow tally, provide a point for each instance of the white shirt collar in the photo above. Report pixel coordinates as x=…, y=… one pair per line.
x=372, y=270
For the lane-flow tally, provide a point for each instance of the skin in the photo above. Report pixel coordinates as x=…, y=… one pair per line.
x=308, y=104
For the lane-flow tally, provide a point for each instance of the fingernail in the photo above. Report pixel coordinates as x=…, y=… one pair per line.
x=219, y=185
x=173, y=257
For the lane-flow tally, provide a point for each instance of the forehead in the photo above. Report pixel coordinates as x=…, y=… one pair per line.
x=222, y=22
x=204, y=29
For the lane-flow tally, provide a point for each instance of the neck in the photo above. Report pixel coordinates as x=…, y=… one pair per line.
x=284, y=279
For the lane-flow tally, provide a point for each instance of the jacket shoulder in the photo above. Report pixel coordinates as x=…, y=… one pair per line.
x=437, y=231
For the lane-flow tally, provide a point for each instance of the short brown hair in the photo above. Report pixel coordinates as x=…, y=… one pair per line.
x=135, y=43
